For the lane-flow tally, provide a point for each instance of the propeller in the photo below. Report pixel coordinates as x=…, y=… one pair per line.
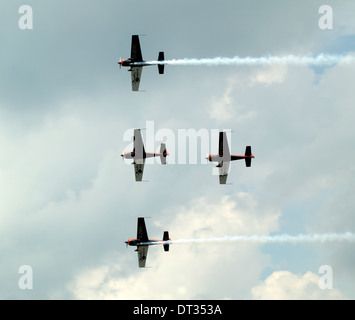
x=120, y=62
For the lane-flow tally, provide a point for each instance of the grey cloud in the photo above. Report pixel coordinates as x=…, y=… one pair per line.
x=64, y=106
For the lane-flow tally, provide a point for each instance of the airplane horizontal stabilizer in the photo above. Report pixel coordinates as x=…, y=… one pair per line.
x=248, y=162
x=248, y=151
x=248, y=154
x=161, y=66
x=166, y=238
x=163, y=153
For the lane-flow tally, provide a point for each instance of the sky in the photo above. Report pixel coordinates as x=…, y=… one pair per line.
x=68, y=201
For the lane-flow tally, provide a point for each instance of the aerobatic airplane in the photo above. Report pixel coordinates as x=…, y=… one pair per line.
x=224, y=157
x=142, y=242
x=139, y=155
x=136, y=63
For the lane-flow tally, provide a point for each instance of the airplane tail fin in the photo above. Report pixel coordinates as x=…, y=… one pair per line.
x=249, y=156
x=163, y=153
x=166, y=238
x=161, y=66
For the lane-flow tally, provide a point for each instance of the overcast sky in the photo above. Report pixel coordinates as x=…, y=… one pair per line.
x=68, y=201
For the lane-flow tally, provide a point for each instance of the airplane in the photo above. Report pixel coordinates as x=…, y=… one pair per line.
x=224, y=157
x=142, y=242
x=136, y=63
x=139, y=155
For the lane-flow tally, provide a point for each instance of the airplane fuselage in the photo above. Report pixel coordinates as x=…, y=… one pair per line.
x=232, y=157
x=130, y=63
x=133, y=155
x=150, y=242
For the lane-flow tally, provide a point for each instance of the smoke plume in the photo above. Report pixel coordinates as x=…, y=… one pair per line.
x=282, y=238
x=319, y=60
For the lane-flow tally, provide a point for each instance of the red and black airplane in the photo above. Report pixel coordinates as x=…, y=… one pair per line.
x=142, y=242
x=136, y=63
x=224, y=157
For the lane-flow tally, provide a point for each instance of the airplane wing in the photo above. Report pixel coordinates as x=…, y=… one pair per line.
x=136, y=74
x=138, y=169
x=138, y=145
x=136, y=53
x=223, y=147
x=142, y=234
x=142, y=255
x=223, y=171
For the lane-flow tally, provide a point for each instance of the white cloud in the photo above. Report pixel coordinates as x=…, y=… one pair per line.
x=222, y=108
x=226, y=108
x=189, y=271
x=284, y=285
x=269, y=75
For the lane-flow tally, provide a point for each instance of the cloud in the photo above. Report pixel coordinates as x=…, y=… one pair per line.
x=269, y=75
x=183, y=271
x=284, y=285
x=67, y=200
x=226, y=108
x=56, y=189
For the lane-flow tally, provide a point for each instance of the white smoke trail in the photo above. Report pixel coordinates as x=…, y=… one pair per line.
x=282, y=238
x=319, y=60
